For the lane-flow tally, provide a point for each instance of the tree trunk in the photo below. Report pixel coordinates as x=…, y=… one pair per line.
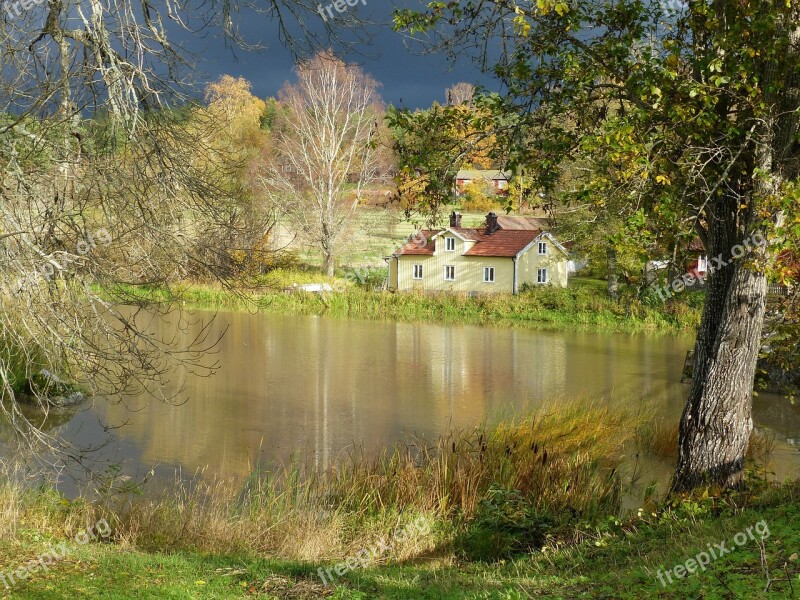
x=613, y=277
x=328, y=263
x=716, y=422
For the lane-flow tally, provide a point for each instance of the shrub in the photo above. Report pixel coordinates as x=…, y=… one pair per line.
x=505, y=525
x=479, y=197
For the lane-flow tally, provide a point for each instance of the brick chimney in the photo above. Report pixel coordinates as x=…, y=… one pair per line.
x=455, y=219
x=491, y=223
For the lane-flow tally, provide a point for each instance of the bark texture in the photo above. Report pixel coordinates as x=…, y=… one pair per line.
x=717, y=419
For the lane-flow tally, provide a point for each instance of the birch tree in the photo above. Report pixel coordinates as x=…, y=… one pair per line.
x=325, y=149
x=460, y=93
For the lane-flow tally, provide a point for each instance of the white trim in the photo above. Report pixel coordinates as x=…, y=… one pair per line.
x=447, y=243
x=514, y=287
x=485, y=280
x=455, y=233
x=536, y=240
x=445, y=273
x=546, y=276
x=554, y=240
x=414, y=271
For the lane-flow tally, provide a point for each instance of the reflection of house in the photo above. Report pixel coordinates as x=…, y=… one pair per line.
x=488, y=259
x=496, y=178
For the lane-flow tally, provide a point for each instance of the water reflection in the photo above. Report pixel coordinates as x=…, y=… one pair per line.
x=311, y=388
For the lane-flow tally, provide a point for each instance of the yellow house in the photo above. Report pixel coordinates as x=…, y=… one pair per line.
x=486, y=260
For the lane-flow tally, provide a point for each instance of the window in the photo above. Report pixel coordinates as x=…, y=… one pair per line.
x=449, y=273
x=488, y=274
x=541, y=276
x=450, y=244
x=417, y=271
x=542, y=247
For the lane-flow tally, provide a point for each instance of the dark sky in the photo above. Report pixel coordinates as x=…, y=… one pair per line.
x=405, y=73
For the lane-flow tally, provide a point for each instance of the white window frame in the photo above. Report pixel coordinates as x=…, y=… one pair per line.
x=446, y=270
x=414, y=274
x=542, y=248
x=539, y=279
x=488, y=271
x=448, y=242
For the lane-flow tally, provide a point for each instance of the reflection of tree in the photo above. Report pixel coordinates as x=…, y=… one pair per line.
x=35, y=417
x=110, y=173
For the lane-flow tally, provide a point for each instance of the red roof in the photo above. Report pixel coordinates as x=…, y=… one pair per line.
x=421, y=243
x=522, y=222
x=502, y=242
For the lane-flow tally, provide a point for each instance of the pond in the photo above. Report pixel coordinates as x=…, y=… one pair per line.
x=312, y=388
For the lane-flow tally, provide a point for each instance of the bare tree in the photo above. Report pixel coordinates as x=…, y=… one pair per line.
x=460, y=93
x=325, y=149
x=108, y=175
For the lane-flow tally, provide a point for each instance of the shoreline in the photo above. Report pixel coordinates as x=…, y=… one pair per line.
x=552, y=309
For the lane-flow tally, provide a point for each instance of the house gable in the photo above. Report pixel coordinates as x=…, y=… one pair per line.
x=545, y=235
x=482, y=260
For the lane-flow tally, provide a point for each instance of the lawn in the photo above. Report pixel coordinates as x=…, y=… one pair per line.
x=616, y=560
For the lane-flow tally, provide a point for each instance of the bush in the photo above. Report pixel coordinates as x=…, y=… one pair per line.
x=368, y=278
x=505, y=525
x=479, y=197
x=258, y=262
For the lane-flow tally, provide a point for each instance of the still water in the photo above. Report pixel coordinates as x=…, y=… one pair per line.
x=313, y=388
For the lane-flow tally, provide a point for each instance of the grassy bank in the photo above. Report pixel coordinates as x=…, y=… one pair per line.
x=527, y=508
x=619, y=560
x=584, y=305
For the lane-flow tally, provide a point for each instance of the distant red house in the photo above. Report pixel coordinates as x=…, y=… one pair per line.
x=697, y=265
x=498, y=180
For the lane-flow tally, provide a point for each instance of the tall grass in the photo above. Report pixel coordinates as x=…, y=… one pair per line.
x=17, y=362
x=578, y=307
x=659, y=439
x=561, y=463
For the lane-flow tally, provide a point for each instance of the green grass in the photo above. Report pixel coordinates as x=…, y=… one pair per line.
x=617, y=560
x=581, y=306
